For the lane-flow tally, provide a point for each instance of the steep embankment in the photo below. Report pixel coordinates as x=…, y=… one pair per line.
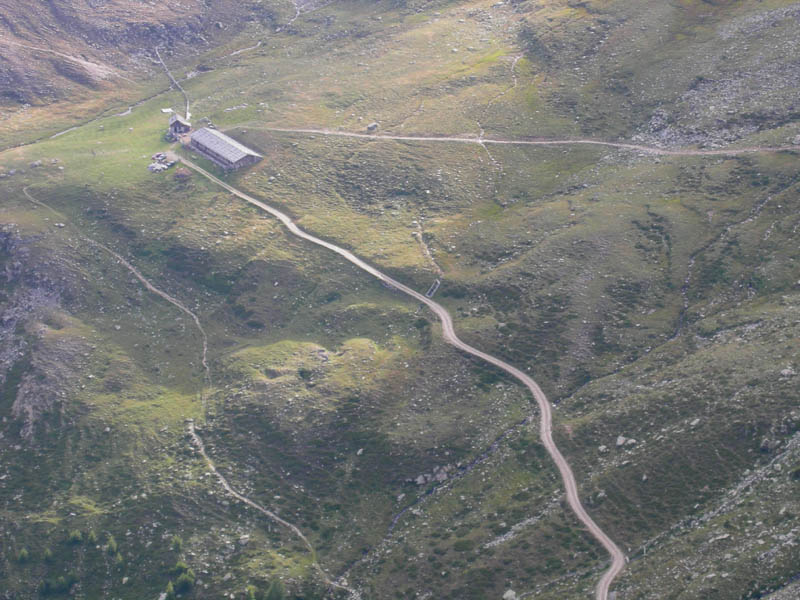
x=52, y=50
x=62, y=62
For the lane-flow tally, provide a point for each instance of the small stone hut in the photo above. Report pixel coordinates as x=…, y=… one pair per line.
x=178, y=125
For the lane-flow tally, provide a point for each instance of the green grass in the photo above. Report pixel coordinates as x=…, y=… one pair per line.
x=330, y=394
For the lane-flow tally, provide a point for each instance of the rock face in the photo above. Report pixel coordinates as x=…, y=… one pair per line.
x=86, y=43
x=36, y=368
x=750, y=91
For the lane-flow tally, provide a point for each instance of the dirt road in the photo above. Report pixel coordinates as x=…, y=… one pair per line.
x=618, y=559
x=480, y=140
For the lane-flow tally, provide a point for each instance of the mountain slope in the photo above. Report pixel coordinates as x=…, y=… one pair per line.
x=653, y=297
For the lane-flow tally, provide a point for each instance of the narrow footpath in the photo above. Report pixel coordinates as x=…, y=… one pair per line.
x=174, y=82
x=142, y=279
x=618, y=559
x=197, y=441
x=353, y=594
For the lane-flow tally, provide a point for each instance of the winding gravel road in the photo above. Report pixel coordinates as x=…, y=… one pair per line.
x=618, y=559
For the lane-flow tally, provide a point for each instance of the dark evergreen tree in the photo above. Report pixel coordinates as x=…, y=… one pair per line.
x=276, y=591
x=185, y=582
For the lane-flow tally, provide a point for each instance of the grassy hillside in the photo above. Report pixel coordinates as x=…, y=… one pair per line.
x=654, y=298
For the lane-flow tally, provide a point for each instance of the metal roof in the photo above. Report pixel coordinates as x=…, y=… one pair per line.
x=176, y=117
x=219, y=143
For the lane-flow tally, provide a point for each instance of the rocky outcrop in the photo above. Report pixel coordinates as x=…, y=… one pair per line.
x=45, y=48
x=50, y=368
x=750, y=85
x=36, y=367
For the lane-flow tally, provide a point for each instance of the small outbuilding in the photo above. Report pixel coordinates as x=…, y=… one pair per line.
x=222, y=149
x=178, y=125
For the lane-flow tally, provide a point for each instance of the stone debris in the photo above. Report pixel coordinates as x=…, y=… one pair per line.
x=439, y=475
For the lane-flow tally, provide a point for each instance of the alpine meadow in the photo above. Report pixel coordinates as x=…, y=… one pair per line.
x=400, y=299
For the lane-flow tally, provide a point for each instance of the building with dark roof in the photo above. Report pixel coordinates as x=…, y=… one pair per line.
x=178, y=125
x=222, y=149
